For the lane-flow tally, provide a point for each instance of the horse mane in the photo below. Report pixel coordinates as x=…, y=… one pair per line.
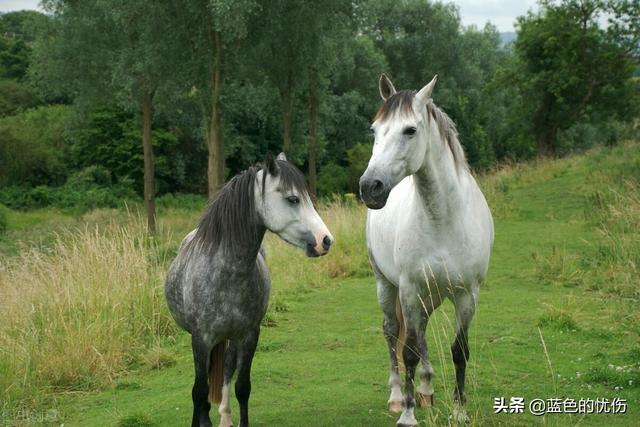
x=231, y=219
x=402, y=102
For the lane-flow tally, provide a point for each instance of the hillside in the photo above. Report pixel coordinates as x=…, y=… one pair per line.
x=558, y=317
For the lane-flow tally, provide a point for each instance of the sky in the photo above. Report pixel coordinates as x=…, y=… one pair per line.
x=502, y=13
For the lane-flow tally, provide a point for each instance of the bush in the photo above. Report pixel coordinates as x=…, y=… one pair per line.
x=87, y=189
x=32, y=146
x=332, y=179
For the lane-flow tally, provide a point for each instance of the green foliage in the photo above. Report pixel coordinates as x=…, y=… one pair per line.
x=19, y=32
x=85, y=190
x=16, y=97
x=332, y=179
x=569, y=68
x=32, y=146
x=111, y=138
x=565, y=80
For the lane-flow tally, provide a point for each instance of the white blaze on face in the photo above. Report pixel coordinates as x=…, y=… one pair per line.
x=317, y=227
x=291, y=216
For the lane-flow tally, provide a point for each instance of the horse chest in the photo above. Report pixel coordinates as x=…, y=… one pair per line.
x=418, y=250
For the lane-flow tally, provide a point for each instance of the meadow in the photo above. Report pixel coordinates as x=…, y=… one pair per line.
x=86, y=339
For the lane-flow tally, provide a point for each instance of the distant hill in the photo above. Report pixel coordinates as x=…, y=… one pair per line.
x=507, y=37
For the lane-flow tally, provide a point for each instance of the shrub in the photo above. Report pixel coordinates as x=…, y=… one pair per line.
x=333, y=179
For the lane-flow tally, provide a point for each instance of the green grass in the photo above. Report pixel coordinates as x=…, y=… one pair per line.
x=558, y=317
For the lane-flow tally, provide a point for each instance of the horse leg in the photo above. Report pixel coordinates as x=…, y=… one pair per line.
x=425, y=389
x=465, y=305
x=246, y=350
x=415, y=318
x=200, y=391
x=387, y=297
x=230, y=359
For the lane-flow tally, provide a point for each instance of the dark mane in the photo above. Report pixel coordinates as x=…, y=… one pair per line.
x=401, y=101
x=231, y=220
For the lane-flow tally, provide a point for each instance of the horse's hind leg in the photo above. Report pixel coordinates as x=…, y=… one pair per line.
x=387, y=298
x=246, y=350
x=200, y=391
x=230, y=359
x=465, y=305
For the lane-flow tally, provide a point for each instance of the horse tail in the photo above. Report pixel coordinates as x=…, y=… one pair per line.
x=216, y=372
x=402, y=334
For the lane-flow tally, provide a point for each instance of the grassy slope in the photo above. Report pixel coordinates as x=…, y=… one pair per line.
x=325, y=362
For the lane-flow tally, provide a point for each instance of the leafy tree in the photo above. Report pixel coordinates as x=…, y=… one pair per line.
x=280, y=34
x=216, y=29
x=102, y=48
x=569, y=67
x=421, y=39
x=15, y=97
x=18, y=30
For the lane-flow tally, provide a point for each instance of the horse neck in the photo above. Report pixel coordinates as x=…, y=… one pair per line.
x=245, y=254
x=438, y=179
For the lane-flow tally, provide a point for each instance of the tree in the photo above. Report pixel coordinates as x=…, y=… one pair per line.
x=100, y=48
x=421, y=39
x=280, y=34
x=327, y=28
x=217, y=27
x=569, y=67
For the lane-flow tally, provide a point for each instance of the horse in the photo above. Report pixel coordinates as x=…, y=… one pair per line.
x=217, y=288
x=429, y=237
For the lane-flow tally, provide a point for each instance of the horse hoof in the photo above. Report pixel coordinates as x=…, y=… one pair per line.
x=459, y=416
x=225, y=421
x=395, y=405
x=407, y=420
x=425, y=400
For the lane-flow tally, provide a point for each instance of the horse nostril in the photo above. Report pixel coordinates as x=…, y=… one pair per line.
x=326, y=243
x=377, y=188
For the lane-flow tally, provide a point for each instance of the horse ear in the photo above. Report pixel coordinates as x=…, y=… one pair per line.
x=282, y=157
x=425, y=93
x=270, y=164
x=386, y=87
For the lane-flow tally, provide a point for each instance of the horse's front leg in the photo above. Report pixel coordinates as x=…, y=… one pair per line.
x=416, y=312
x=200, y=391
x=246, y=350
x=388, y=299
x=465, y=305
x=230, y=360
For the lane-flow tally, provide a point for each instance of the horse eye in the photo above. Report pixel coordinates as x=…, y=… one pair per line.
x=293, y=200
x=409, y=131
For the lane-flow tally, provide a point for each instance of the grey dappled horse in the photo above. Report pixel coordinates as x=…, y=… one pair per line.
x=429, y=236
x=218, y=286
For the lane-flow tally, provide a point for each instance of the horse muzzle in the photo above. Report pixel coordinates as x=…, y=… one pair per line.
x=374, y=192
x=314, y=249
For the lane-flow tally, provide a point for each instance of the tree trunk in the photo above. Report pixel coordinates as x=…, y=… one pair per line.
x=215, y=166
x=149, y=178
x=546, y=142
x=545, y=132
x=287, y=112
x=313, y=119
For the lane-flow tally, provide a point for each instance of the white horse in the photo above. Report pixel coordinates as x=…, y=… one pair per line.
x=429, y=236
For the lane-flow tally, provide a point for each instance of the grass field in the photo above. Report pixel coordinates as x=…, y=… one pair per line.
x=558, y=314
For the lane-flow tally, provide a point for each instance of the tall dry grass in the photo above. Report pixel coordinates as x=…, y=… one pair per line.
x=79, y=312
x=76, y=315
